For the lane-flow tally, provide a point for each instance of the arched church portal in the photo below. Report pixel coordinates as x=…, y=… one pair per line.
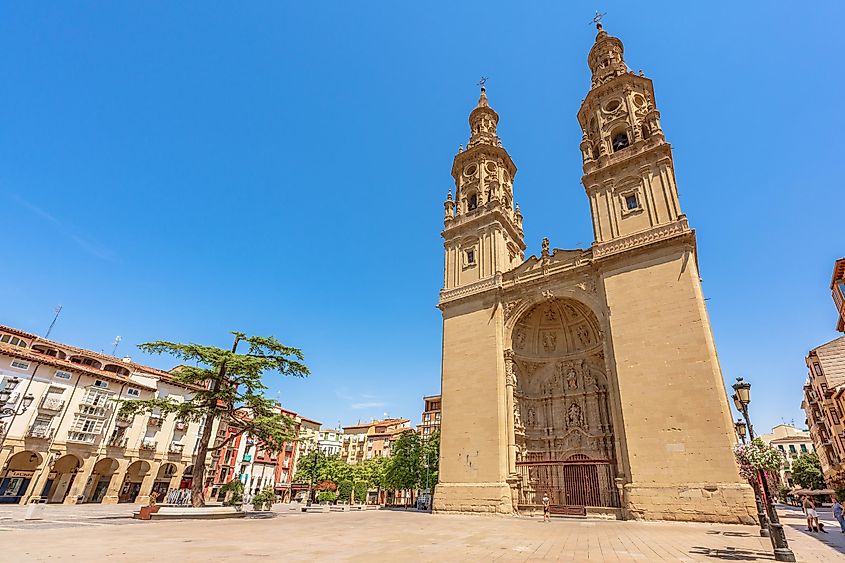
x=563, y=427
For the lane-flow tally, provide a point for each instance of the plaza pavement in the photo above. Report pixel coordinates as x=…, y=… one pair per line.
x=105, y=533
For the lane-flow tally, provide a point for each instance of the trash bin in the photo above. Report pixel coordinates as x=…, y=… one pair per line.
x=35, y=509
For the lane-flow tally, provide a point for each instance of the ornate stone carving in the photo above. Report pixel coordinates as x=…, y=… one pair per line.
x=519, y=338
x=574, y=416
x=510, y=307
x=549, y=341
x=588, y=285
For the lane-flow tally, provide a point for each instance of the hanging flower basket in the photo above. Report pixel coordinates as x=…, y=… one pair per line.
x=757, y=456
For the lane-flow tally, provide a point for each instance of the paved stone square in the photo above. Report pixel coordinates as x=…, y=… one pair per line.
x=96, y=533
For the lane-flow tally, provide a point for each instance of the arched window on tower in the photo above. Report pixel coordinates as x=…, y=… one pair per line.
x=472, y=202
x=620, y=140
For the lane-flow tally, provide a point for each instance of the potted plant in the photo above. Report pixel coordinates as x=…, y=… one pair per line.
x=264, y=499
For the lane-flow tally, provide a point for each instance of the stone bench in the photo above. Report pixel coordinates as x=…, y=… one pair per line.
x=165, y=512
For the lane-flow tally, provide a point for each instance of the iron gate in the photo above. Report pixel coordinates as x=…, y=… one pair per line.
x=569, y=483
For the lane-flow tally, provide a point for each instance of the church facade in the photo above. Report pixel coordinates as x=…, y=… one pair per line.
x=589, y=375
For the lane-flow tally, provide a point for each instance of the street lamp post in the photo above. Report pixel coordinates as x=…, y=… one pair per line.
x=6, y=394
x=740, y=428
x=742, y=398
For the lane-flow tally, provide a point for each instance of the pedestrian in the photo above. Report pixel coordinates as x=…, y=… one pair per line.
x=546, y=505
x=839, y=514
x=812, y=516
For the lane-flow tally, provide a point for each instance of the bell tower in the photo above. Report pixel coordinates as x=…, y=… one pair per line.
x=678, y=434
x=482, y=225
x=629, y=176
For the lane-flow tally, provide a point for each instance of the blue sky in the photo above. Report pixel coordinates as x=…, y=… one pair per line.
x=178, y=171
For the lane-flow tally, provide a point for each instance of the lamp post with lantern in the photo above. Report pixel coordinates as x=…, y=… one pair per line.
x=742, y=398
x=6, y=394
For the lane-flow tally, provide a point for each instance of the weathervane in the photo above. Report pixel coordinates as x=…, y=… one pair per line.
x=597, y=19
x=482, y=82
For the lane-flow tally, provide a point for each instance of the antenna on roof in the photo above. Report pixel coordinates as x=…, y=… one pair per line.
x=115, y=344
x=52, y=324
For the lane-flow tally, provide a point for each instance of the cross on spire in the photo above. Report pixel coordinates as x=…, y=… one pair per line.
x=483, y=82
x=597, y=19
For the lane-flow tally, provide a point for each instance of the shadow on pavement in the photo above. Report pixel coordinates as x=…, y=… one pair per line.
x=731, y=554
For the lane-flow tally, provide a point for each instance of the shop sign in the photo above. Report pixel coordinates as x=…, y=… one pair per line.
x=23, y=474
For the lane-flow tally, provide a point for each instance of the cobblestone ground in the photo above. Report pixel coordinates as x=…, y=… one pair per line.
x=101, y=533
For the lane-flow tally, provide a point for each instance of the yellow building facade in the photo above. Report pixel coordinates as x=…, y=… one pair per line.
x=589, y=375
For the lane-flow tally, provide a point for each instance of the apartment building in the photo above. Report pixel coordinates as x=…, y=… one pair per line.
x=61, y=438
x=793, y=443
x=372, y=439
x=825, y=409
x=430, y=416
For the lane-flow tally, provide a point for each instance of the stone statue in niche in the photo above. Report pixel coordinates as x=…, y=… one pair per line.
x=519, y=340
x=584, y=337
x=549, y=342
x=572, y=379
x=574, y=417
x=517, y=418
x=531, y=417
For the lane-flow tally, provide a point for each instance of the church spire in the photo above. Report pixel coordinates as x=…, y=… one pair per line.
x=482, y=228
x=605, y=58
x=483, y=121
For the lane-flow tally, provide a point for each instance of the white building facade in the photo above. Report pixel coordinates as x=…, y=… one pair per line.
x=61, y=438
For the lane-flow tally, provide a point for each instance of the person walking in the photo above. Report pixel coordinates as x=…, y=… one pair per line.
x=809, y=506
x=839, y=514
x=546, y=505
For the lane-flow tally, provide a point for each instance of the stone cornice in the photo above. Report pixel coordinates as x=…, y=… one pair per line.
x=482, y=150
x=643, y=238
x=469, y=223
x=481, y=286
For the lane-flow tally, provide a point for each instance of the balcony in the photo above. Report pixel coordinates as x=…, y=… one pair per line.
x=123, y=421
x=154, y=420
x=51, y=404
x=81, y=437
x=93, y=411
x=175, y=448
x=149, y=445
x=40, y=432
x=118, y=441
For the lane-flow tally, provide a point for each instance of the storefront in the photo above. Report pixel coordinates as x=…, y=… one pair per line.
x=14, y=485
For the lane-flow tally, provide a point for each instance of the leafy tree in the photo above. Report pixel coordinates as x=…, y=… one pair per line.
x=361, y=490
x=344, y=490
x=807, y=471
x=403, y=467
x=227, y=385
x=429, y=472
x=305, y=467
x=329, y=468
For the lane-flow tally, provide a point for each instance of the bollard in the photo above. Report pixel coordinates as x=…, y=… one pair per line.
x=35, y=509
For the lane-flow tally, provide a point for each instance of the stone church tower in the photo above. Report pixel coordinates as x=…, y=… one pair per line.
x=590, y=374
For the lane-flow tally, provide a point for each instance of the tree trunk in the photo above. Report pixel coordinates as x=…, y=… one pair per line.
x=198, y=475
